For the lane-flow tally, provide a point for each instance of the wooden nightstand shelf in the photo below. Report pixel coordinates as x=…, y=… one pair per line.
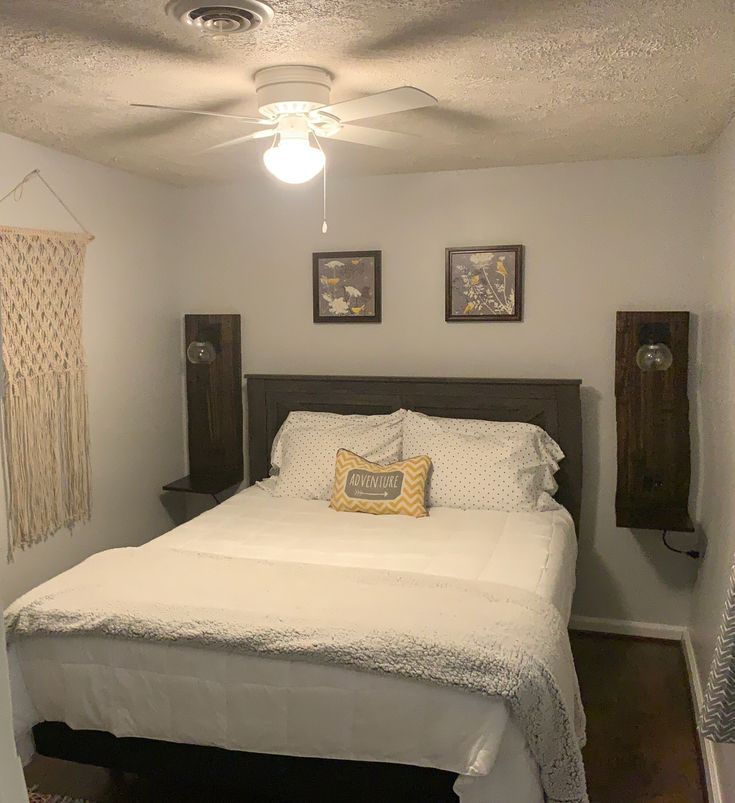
x=208, y=485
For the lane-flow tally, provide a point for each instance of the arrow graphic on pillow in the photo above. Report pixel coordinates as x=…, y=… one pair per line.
x=367, y=493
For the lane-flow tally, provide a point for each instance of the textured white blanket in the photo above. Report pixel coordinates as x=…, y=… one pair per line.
x=486, y=638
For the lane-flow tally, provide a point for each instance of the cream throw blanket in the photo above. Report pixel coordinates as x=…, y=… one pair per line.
x=44, y=407
x=479, y=637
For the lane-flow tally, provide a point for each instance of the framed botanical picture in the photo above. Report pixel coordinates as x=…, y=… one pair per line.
x=347, y=287
x=484, y=283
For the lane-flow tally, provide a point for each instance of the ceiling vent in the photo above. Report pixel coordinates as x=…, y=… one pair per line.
x=224, y=19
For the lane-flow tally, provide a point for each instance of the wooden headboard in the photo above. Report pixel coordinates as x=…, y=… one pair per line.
x=553, y=404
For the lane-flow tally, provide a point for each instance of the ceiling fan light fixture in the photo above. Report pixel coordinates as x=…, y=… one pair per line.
x=294, y=160
x=293, y=89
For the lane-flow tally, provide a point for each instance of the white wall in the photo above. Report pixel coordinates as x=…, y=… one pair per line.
x=717, y=358
x=599, y=237
x=12, y=787
x=132, y=335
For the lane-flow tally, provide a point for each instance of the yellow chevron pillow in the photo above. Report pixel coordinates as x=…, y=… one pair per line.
x=364, y=487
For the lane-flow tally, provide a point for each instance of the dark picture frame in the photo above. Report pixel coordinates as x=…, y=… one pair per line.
x=337, y=296
x=484, y=283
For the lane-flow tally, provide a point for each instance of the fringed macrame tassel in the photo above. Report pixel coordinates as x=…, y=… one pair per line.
x=75, y=451
x=47, y=453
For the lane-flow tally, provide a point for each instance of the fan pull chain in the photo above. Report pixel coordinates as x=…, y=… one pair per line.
x=324, y=186
x=324, y=200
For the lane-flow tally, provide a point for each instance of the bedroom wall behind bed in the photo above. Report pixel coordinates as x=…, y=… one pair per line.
x=599, y=237
x=132, y=339
x=717, y=416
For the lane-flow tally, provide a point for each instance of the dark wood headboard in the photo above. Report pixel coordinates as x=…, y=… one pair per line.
x=553, y=404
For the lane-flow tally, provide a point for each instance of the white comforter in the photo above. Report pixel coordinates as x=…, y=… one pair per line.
x=267, y=705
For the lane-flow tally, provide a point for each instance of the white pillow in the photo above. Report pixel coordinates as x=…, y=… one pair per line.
x=307, y=452
x=485, y=465
x=416, y=423
x=308, y=419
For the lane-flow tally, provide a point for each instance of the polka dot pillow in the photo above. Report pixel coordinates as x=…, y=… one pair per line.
x=312, y=420
x=485, y=465
x=307, y=451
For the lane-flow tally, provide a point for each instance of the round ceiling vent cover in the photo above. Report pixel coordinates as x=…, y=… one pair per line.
x=222, y=19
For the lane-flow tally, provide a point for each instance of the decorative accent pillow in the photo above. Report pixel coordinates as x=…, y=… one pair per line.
x=486, y=465
x=364, y=487
x=311, y=420
x=307, y=452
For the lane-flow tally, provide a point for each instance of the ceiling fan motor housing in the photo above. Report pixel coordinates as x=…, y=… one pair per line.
x=291, y=90
x=221, y=19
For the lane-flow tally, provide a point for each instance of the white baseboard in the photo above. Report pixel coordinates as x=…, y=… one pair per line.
x=714, y=790
x=623, y=627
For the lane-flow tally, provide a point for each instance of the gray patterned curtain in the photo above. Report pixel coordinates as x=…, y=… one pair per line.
x=717, y=721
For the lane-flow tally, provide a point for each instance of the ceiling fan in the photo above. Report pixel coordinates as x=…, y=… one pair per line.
x=295, y=109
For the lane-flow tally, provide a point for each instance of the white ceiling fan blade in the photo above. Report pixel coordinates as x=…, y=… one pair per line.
x=375, y=137
x=401, y=99
x=253, y=120
x=238, y=140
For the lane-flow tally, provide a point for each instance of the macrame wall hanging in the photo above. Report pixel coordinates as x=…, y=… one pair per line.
x=44, y=404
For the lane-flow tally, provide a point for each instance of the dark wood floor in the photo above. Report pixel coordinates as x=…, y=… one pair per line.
x=642, y=745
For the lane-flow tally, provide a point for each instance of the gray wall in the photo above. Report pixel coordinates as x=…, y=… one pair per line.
x=717, y=425
x=599, y=236
x=132, y=338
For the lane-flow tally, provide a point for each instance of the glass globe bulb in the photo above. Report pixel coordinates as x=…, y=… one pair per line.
x=654, y=357
x=201, y=352
x=293, y=160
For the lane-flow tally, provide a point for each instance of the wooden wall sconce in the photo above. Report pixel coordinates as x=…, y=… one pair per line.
x=213, y=405
x=652, y=406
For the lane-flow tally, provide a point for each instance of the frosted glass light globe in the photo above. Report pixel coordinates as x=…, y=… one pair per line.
x=293, y=160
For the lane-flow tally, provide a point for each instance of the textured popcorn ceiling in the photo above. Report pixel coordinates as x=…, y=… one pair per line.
x=520, y=82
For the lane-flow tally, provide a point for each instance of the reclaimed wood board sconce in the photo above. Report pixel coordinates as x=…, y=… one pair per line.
x=652, y=407
x=213, y=405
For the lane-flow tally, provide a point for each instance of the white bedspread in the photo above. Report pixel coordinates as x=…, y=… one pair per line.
x=199, y=696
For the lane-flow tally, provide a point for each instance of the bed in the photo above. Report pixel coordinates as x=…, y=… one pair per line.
x=296, y=730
